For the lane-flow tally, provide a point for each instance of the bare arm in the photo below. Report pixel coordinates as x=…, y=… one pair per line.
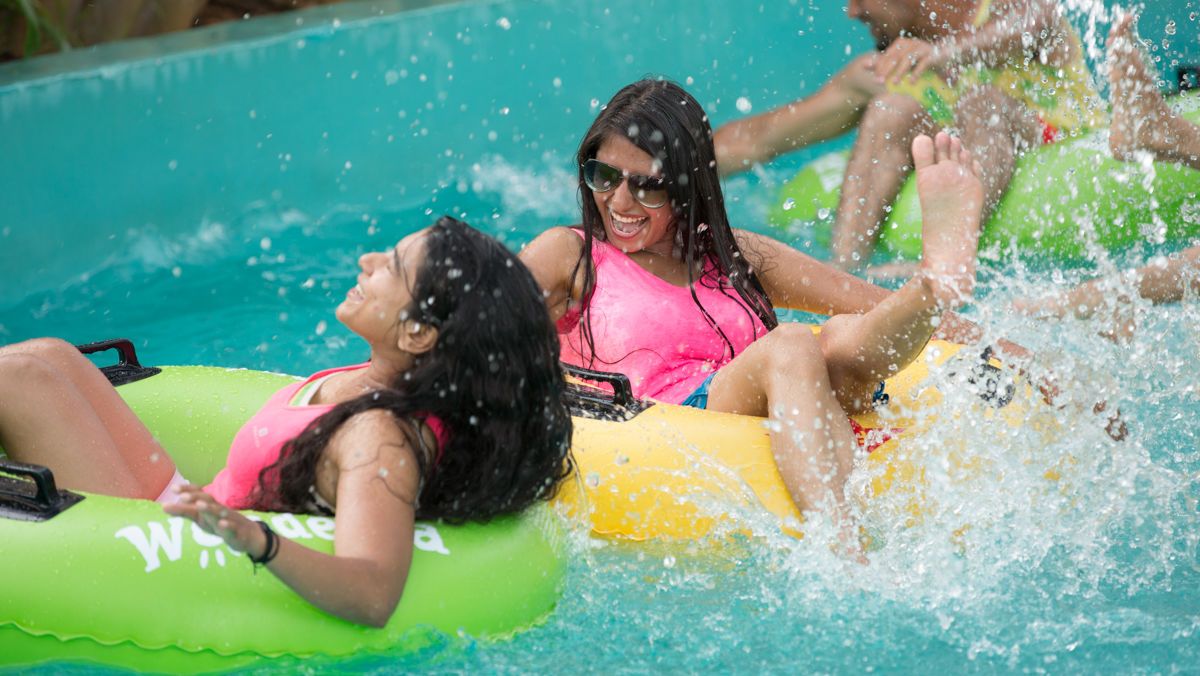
x=832, y=111
x=797, y=281
x=552, y=257
x=377, y=482
x=1164, y=281
x=1015, y=30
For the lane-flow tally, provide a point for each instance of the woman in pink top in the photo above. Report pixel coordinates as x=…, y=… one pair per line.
x=656, y=284
x=429, y=428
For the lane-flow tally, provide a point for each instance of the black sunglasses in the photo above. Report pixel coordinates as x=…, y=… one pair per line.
x=649, y=191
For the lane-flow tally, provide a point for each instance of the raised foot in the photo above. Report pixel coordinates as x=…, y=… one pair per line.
x=1140, y=115
x=951, y=194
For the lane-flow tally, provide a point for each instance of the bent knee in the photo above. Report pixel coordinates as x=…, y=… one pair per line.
x=794, y=347
x=19, y=369
x=51, y=349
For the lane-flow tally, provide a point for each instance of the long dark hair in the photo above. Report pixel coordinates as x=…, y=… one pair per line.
x=667, y=123
x=492, y=378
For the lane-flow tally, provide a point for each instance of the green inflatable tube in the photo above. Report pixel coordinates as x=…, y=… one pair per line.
x=120, y=583
x=1065, y=200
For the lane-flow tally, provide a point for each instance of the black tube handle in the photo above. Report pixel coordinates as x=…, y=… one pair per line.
x=47, y=491
x=127, y=369
x=123, y=346
x=619, y=382
x=18, y=502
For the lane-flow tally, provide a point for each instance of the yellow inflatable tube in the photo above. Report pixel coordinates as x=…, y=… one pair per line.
x=675, y=472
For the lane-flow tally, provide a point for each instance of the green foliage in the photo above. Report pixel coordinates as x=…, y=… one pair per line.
x=38, y=24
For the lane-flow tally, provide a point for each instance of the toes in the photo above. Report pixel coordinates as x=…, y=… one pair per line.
x=956, y=149
x=923, y=152
x=943, y=143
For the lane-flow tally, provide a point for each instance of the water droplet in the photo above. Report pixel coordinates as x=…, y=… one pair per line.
x=789, y=204
x=743, y=104
x=592, y=480
x=504, y=23
x=1170, y=29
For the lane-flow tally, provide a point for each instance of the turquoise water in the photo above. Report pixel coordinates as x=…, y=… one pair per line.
x=209, y=201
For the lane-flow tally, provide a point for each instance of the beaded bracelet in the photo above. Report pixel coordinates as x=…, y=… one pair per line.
x=270, y=551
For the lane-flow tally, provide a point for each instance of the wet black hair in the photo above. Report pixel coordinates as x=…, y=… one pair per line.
x=667, y=123
x=492, y=378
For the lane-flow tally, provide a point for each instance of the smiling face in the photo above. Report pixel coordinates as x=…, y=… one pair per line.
x=629, y=225
x=379, y=303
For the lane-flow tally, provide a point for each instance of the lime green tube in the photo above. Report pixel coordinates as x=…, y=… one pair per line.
x=1065, y=200
x=120, y=583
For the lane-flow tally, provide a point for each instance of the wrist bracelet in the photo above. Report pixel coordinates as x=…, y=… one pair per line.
x=270, y=551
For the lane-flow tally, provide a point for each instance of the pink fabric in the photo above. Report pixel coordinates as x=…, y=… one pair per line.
x=652, y=331
x=168, y=496
x=260, y=441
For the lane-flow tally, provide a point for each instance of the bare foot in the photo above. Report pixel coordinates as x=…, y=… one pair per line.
x=1140, y=115
x=951, y=193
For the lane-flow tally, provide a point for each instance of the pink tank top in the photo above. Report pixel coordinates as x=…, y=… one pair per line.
x=260, y=441
x=653, y=331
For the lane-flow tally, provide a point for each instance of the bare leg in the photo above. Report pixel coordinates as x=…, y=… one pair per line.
x=783, y=376
x=1142, y=120
x=878, y=166
x=994, y=128
x=58, y=410
x=863, y=349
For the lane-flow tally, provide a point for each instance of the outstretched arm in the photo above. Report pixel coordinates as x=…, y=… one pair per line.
x=798, y=281
x=1163, y=281
x=1015, y=30
x=376, y=486
x=832, y=111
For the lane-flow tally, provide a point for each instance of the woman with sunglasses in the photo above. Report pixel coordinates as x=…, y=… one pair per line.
x=657, y=285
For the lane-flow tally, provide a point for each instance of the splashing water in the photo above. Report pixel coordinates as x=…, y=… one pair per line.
x=1007, y=569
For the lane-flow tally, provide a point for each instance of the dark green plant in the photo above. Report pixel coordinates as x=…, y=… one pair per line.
x=38, y=24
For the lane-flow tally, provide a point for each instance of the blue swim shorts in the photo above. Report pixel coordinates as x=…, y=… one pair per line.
x=699, y=397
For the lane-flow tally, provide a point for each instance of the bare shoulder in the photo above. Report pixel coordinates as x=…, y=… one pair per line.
x=554, y=241
x=375, y=439
x=553, y=257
